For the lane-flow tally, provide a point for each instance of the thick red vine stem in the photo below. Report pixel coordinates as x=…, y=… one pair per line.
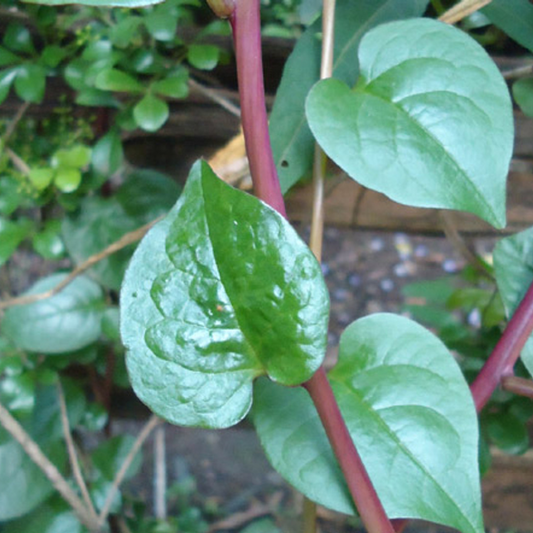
x=365, y=497
x=246, y=24
x=503, y=358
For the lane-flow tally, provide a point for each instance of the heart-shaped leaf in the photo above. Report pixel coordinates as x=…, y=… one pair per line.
x=68, y=321
x=513, y=267
x=220, y=292
x=292, y=142
x=428, y=125
x=410, y=414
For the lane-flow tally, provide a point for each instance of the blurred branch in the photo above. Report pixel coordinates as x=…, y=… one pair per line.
x=48, y=468
x=213, y=95
x=14, y=121
x=462, y=10
x=152, y=423
x=124, y=241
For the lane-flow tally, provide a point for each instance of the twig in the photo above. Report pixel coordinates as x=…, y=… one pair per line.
x=15, y=120
x=518, y=72
x=152, y=423
x=160, y=474
x=462, y=10
x=124, y=241
x=309, y=514
x=517, y=385
x=18, y=162
x=73, y=458
x=48, y=469
x=213, y=95
x=458, y=242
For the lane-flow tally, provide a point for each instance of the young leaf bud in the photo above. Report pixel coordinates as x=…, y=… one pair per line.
x=222, y=8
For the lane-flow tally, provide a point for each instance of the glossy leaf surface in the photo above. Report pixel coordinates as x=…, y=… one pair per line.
x=410, y=414
x=292, y=141
x=68, y=321
x=513, y=267
x=427, y=125
x=220, y=292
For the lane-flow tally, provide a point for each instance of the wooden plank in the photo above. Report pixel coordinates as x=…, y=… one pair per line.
x=350, y=205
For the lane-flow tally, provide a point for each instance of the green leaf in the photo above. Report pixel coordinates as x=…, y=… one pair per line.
x=150, y=113
x=97, y=224
x=41, y=177
x=67, y=179
x=116, y=80
x=18, y=39
x=514, y=17
x=203, y=56
x=292, y=141
x=110, y=455
x=95, y=98
x=30, y=83
x=427, y=125
x=11, y=235
x=68, y=321
x=123, y=33
x=410, y=414
x=107, y=154
x=523, y=95
x=264, y=525
x=8, y=58
x=220, y=292
x=10, y=195
x=22, y=484
x=507, y=432
x=162, y=23
x=147, y=194
x=97, y=3
x=52, y=55
x=6, y=79
x=48, y=242
x=513, y=267
x=78, y=156
x=175, y=85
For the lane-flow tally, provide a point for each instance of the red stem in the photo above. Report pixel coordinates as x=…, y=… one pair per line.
x=506, y=352
x=365, y=497
x=246, y=25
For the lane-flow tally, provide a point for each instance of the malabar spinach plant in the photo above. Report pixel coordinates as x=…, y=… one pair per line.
x=224, y=310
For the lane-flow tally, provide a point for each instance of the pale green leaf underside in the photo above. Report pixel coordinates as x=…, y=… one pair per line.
x=68, y=321
x=410, y=414
x=428, y=124
x=220, y=292
x=513, y=267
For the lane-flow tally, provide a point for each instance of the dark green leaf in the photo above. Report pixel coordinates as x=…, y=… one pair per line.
x=523, y=94
x=97, y=224
x=10, y=195
x=107, y=155
x=220, y=292
x=123, y=33
x=6, y=79
x=65, y=322
x=48, y=243
x=52, y=55
x=95, y=417
x=262, y=526
x=292, y=142
x=203, y=56
x=147, y=194
x=410, y=414
x=175, y=85
x=8, y=58
x=513, y=267
x=18, y=39
x=150, y=113
x=95, y=98
x=418, y=121
x=17, y=393
x=514, y=17
x=111, y=323
x=30, y=83
x=11, y=235
x=118, y=81
x=110, y=455
x=507, y=432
